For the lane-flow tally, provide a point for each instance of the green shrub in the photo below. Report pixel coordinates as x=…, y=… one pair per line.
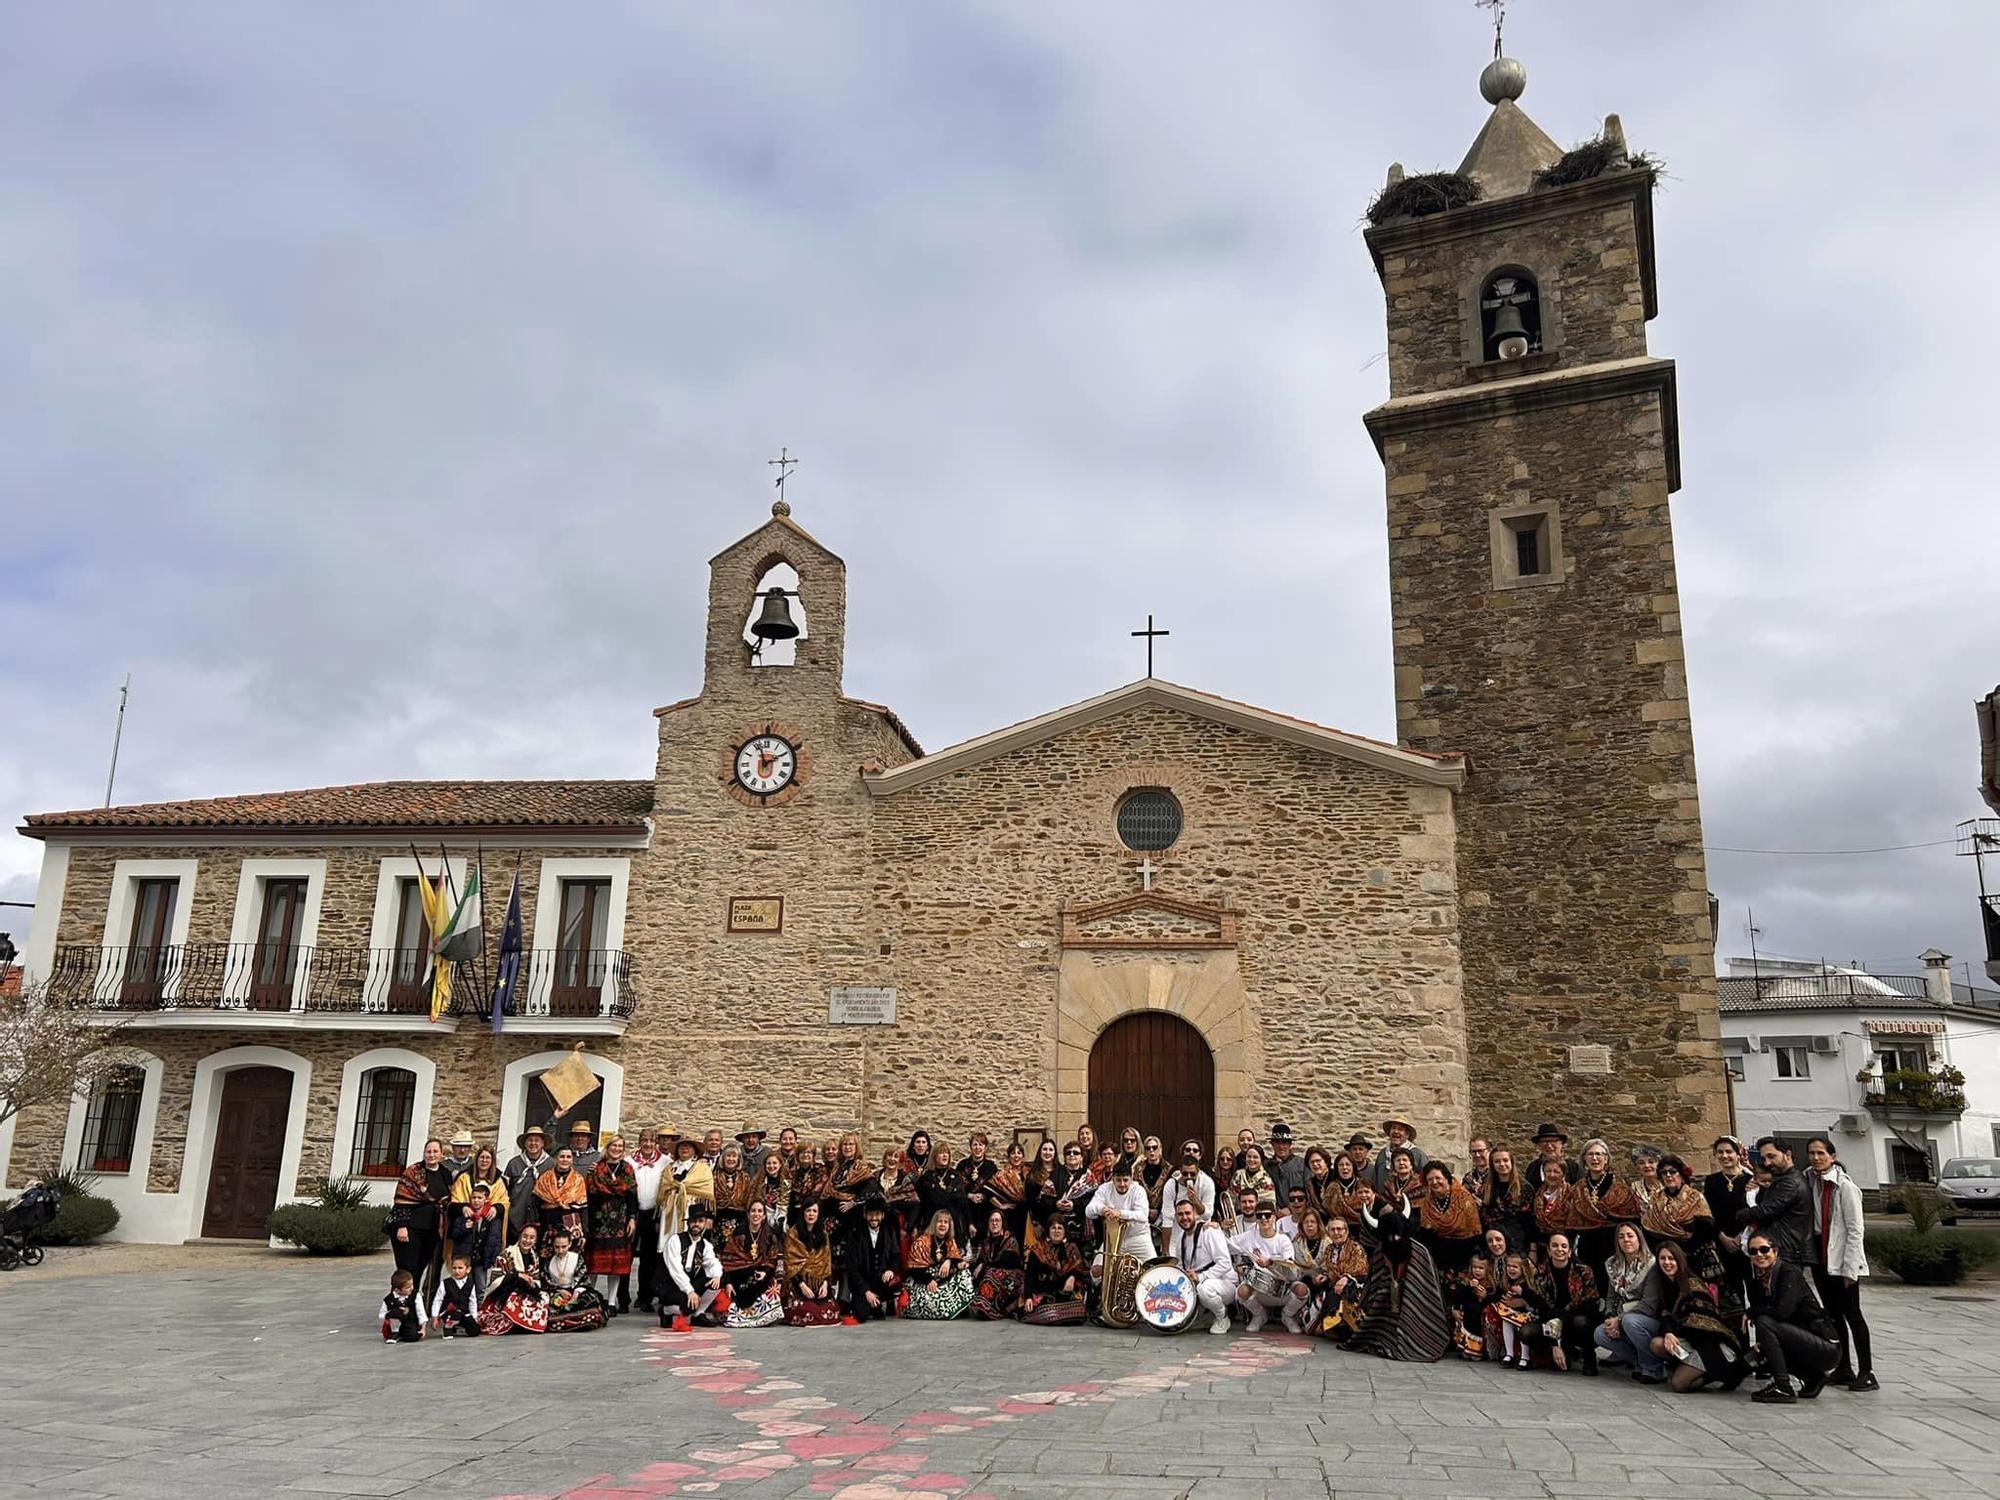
x=1923, y=1203
x=81, y=1218
x=319, y=1230
x=1930, y=1258
x=340, y=1192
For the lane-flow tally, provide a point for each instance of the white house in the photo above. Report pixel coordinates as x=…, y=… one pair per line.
x=1798, y=1036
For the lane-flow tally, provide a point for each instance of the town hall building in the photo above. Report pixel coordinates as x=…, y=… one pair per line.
x=1159, y=907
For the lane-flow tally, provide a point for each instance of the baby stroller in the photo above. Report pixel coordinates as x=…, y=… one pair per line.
x=22, y=1224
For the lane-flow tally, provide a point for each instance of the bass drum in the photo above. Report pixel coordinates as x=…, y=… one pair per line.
x=1164, y=1295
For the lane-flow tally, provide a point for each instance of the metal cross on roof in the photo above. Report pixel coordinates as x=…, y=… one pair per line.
x=1499, y=9
x=784, y=463
x=1151, y=635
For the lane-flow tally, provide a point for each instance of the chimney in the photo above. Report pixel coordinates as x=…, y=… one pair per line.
x=1937, y=975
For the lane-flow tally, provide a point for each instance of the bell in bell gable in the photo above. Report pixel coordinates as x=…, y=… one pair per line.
x=775, y=623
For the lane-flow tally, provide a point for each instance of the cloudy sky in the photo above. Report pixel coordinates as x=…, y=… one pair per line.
x=376, y=379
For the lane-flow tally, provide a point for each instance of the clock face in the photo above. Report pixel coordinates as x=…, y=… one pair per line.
x=766, y=764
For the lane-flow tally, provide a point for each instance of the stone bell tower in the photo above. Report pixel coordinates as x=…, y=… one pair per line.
x=1531, y=443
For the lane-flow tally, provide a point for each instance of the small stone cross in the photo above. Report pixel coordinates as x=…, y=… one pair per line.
x=1146, y=873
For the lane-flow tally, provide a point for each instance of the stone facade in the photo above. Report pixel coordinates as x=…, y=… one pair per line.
x=1582, y=882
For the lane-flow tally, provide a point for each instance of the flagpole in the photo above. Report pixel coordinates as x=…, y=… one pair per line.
x=480, y=916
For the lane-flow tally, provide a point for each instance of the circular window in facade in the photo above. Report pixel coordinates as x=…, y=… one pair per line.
x=1149, y=819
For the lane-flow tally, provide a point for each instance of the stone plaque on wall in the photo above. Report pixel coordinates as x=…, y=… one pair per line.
x=860, y=1005
x=756, y=913
x=1591, y=1057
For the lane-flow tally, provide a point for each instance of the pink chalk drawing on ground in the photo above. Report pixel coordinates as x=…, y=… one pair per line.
x=865, y=1460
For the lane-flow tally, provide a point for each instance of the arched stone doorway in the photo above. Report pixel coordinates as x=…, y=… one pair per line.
x=1152, y=1070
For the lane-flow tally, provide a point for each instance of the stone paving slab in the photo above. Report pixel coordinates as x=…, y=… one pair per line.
x=258, y=1376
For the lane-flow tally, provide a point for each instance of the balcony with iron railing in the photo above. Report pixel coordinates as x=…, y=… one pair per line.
x=580, y=992
x=1916, y=1093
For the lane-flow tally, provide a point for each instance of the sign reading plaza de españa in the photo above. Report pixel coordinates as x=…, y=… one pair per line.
x=861, y=1005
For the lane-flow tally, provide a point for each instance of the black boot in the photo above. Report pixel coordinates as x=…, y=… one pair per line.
x=1811, y=1386
x=1865, y=1381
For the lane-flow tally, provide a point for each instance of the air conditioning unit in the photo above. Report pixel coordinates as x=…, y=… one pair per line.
x=1826, y=1044
x=1852, y=1124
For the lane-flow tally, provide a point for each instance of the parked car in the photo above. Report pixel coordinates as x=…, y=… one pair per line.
x=1970, y=1185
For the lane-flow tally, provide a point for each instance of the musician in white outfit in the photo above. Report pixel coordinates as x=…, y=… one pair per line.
x=1264, y=1248
x=1203, y=1251
x=1189, y=1182
x=1122, y=1198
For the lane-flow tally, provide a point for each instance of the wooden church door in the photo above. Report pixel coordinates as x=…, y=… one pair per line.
x=1152, y=1070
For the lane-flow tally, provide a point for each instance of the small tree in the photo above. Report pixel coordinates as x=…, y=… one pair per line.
x=48, y=1051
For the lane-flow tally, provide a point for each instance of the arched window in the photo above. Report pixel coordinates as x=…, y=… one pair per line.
x=1510, y=315
x=111, y=1123
x=387, y=1100
x=774, y=608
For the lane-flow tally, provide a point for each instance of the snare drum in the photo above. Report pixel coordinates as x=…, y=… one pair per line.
x=1165, y=1297
x=1266, y=1281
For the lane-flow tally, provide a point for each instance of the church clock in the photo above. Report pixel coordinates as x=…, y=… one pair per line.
x=766, y=764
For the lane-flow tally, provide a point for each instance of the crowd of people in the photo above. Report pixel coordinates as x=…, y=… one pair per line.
x=1540, y=1260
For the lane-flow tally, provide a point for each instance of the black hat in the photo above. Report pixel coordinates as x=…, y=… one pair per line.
x=1358, y=1139
x=1548, y=1132
x=700, y=1209
x=873, y=1202
x=1280, y=1131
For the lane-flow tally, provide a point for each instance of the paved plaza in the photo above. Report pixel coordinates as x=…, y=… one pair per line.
x=229, y=1375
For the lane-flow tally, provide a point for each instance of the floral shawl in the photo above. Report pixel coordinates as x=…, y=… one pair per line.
x=1341, y=1201
x=1007, y=1189
x=924, y=1252
x=611, y=1179
x=1457, y=1220
x=571, y=1192
x=1552, y=1211
x=1242, y=1181
x=812, y=1262
x=1599, y=1207
x=744, y=1251
x=850, y=1181
x=1674, y=1216
x=1351, y=1259
x=411, y=1187
x=733, y=1191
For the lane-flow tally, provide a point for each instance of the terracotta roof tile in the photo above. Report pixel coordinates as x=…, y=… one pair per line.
x=383, y=804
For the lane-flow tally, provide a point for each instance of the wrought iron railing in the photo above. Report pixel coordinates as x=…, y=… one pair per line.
x=249, y=977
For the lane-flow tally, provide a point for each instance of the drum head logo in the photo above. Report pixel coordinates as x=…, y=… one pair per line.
x=1166, y=1300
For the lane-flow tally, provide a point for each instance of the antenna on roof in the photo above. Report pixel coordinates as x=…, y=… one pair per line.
x=124, y=695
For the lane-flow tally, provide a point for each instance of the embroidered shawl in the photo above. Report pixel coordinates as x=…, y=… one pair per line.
x=1007, y=1188
x=1596, y=1206
x=1350, y=1259
x=1552, y=1211
x=924, y=1252
x=733, y=1190
x=560, y=1192
x=412, y=1187
x=611, y=1179
x=744, y=1251
x=810, y=1263
x=1673, y=1216
x=1457, y=1220
x=850, y=1181
x=1342, y=1200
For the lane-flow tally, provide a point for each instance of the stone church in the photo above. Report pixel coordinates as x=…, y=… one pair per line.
x=1159, y=907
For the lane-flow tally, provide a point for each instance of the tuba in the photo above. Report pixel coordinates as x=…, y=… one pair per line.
x=1118, y=1299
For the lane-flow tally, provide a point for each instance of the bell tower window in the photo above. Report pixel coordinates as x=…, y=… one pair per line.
x=1527, y=546
x=1510, y=316
x=777, y=619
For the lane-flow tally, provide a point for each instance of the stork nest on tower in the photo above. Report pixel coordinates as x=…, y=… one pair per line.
x=1593, y=158
x=1425, y=193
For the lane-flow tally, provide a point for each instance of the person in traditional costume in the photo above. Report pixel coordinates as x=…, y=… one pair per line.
x=1341, y=1197
x=852, y=1179
x=1568, y=1304
x=583, y=1145
x=1403, y=1178
x=750, y=1271
x=751, y=1139
x=941, y=1186
x=1448, y=1220
x=478, y=1233
x=455, y=1308
x=1633, y=1292
x=512, y=1301
x=416, y=1220
x=1286, y=1166
x=1727, y=1190
x=649, y=1164
x=1384, y=1175
x=1319, y=1174
x=734, y=1188
x=523, y=1172
x=788, y=1151
x=1646, y=1162
x=561, y=1196
x=574, y=1305
x=1548, y=1210
x=774, y=1190
x=1503, y=1199
x=1361, y=1152
x=687, y=1181
x=810, y=1290
x=1599, y=1203
x=940, y=1286
x=484, y=1172
x=978, y=1169
x=1493, y=1255
x=1154, y=1172
x=460, y=1157
x=1043, y=1183
x=1403, y=1313
x=1077, y=1186
x=1309, y=1278
x=612, y=1219
x=809, y=1181
x=1131, y=1149
x=1511, y=1311
x=402, y=1310
x=1007, y=1190
x=897, y=1183
x=1678, y=1211
x=1187, y=1183
x=1055, y=1279
x=1263, y=1248
x=871, y=1262
x=1251, y=1176
x=1839, y=1261
x=1344, y=1263
x=711, y=1148
x=1699, y=1346
x=1469, y=1295
x=1552, y=1145
x=694, y=1270
x=997, y=1268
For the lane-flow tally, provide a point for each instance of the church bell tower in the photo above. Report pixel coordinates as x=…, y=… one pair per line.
x=1530, y=443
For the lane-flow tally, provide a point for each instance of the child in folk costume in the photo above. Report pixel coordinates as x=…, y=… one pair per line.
x=1511, y=1311
x=455, y=1308
x=574, y=1305
x=402, y=1311
x=1469, y=1295
x=478, y=1232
